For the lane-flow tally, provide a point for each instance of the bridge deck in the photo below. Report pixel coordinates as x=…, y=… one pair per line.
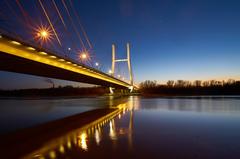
x=22, y=58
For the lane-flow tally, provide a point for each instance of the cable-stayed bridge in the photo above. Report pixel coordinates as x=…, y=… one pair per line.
x=16, y=56
x=19, y=55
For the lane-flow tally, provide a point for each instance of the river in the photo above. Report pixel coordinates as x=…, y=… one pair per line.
x=179, y=127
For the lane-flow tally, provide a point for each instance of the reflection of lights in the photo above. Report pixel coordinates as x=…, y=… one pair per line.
x=97, y=137
x=61, y=149
x=89, y=131
x=75, y=141
x=38, y=156
x=52, y=154
x=133, y=103
x=69, y=145
x=112, y=132
x=83, y=141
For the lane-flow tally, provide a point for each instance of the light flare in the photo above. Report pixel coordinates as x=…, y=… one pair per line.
x=43, y=34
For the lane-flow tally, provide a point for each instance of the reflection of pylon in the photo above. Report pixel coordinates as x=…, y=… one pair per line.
x=128, y=60
x=130, y=131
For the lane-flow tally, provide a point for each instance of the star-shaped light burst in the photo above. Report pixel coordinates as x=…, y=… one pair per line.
x=84, y=56
x=43, y=34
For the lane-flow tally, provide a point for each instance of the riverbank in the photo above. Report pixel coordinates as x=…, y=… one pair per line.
x=55, y=92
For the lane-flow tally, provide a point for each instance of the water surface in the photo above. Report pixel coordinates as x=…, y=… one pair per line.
x=201, y=127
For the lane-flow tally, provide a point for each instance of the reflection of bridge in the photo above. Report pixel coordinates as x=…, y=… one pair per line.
x=20, y=57
x=80, y=137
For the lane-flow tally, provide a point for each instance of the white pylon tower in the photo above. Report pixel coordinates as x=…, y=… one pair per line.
x=128, y=60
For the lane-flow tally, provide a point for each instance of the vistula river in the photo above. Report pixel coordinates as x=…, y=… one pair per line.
x=174, y=127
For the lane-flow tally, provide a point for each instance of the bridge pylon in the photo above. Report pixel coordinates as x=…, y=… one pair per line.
x=128, y=60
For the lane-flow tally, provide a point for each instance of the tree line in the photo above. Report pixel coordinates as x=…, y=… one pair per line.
x=58, y=91
x=197, y=87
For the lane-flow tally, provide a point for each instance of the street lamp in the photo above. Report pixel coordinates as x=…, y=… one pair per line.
x=43, y=34
x=83, y=56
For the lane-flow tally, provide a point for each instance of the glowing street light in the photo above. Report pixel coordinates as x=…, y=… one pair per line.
x=69, y=49
x=110, y=72
x=83, y=56
x=119, y=76
x=96, y=64
x=43, y=34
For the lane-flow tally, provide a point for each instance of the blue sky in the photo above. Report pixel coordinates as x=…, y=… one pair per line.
x=170, y=39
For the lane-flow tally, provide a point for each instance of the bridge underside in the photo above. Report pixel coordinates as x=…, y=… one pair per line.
x=16, y=64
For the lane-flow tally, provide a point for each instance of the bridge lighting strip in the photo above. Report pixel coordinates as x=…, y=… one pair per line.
x=54, y=57
x=24, y=52
x=43, y=53
x=15, y=42
x=31, y=48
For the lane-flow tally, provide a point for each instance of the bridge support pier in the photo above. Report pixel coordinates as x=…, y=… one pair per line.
x=111, y=90
x=121, y=91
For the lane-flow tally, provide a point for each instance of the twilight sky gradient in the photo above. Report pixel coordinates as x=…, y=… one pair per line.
x=170, y=39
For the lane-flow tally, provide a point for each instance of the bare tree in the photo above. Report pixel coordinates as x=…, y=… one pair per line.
x=170, y=83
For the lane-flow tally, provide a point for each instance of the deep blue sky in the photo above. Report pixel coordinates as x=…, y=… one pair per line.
x=170, y=39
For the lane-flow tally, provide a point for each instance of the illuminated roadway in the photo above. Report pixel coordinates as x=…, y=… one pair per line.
x=16, y=56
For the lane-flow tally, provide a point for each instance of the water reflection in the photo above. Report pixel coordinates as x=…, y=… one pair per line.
x=84, y=137
x=97, y=136
x=143, y=127
x=198, y=104
x=82, y=141
x=112, y=131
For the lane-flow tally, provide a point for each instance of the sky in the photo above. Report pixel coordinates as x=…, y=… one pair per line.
x=170, y=39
